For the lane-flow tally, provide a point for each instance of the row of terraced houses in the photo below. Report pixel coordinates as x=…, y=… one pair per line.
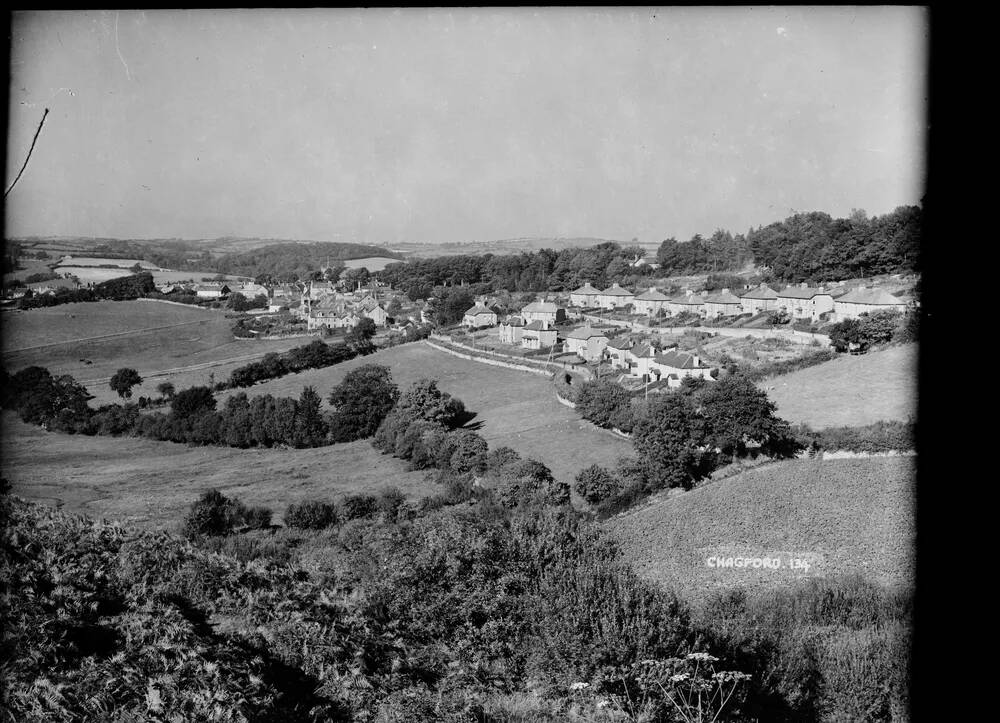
x=800, y=301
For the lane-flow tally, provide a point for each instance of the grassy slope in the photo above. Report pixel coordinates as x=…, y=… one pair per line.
x=846, y=516
x=850, y=390
x=516, y=409
x=151, y=484
x=148, y=352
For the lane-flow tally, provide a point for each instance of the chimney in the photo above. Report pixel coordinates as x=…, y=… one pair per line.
x=822, y=289
x=725, y=291
x=803, y=285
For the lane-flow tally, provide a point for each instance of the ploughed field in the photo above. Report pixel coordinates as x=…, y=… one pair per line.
x=152, y=484
x=513, y=409
x=837, y=517
x=149, y=336
x=850, y=390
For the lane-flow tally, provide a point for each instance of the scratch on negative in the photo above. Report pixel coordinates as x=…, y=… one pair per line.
x=127, y=74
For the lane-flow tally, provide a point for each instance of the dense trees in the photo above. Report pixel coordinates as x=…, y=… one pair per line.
x=671, y=440
x=192, y=402
x=596, y=484
x=291, y=260
x=738, y=414
x=873, y=328
x=314, y=355
x=605, y=403
x=361, y=401
x=123, y=380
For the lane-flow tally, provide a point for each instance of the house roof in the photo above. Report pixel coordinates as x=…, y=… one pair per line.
x=799, y=292
x=688, y=299
x=541, y=306
x=723, y=297
x=583, y=332
x=615, y=290
x=761, y=292
x=478, y=309
x=538, y=326
x=652, y=295
x=621, y=342
x=586, y=289
x=874, y=297
x=677, y=360
x=514, y=321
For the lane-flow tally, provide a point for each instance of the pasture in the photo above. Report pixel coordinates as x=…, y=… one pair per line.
x=843, y=516
x=514, y=409
x=152, y=484
x=850, y=390
x=157, y=338
x=99, y=261
x=372, y=263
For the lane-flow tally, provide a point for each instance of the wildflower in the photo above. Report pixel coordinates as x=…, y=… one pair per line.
x=579, y=686
x=701, y=656
x=678, y=677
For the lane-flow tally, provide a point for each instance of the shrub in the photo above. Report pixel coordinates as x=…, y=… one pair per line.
x=213, y=514
x=356, y=507
x=257, y=518
x=311, y=515
x=595, y=484
x=389, y=503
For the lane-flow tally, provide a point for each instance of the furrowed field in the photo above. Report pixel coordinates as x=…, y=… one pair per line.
x=841, y=516
x=159, y=338
x=850, y=390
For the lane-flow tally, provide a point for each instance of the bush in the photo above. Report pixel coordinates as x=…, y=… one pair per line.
x=356, y=507
x=595, y=484
x=213, y=514
x=257, y=518
x=389, y=503
x=311, y=515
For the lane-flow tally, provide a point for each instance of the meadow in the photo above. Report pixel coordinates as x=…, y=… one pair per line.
x=152, y=484
x=841, y=516
x=372, y=263
x=515, y=409
x=61, y=338
x=850, y=390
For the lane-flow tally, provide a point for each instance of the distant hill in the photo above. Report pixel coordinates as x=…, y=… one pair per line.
x=296, y=257
x=503, y=246
x=842, y=516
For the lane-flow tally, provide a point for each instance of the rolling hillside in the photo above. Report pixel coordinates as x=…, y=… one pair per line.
x=850, y=390
x=839, y=516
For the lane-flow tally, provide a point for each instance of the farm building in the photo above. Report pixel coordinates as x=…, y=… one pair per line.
x=479, y=316
x=650, y=302
x=804, y=302
x=212, y=290
x=538, y=335
x=758, y=299
x=586, y=342
x=543, y=310
x=511, y=330
x=615, y=297
x=724, y=303
x=585, y=296
x=862, y=301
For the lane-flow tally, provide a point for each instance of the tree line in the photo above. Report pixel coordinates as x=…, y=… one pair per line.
x=124, y=288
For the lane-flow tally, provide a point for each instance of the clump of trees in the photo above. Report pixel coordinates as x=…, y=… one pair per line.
x=871, y=329
x=314, y=355
x=361, y=402
x=214, y=514
x=121, y=289
x=123, y=380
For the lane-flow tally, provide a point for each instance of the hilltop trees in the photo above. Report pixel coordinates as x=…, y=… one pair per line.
x=123, y=381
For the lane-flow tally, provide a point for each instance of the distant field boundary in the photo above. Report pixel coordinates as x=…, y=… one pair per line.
x=101, y=337
x=484, y=360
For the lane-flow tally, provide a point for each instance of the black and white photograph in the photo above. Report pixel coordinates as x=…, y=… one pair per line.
x=482, y=364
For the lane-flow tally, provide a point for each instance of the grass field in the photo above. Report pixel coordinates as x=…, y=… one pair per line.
x=195, y=337
x=841, y=516
x=850, y=390
x=152, y=484
x=372, y=263
x=516, y=409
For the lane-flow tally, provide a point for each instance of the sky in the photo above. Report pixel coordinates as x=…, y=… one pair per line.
x=444, y=125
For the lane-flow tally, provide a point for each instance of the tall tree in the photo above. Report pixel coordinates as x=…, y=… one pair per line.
x=361, y=401
x=123, y=380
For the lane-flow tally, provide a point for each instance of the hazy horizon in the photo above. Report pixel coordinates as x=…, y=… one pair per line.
x=451, y=125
